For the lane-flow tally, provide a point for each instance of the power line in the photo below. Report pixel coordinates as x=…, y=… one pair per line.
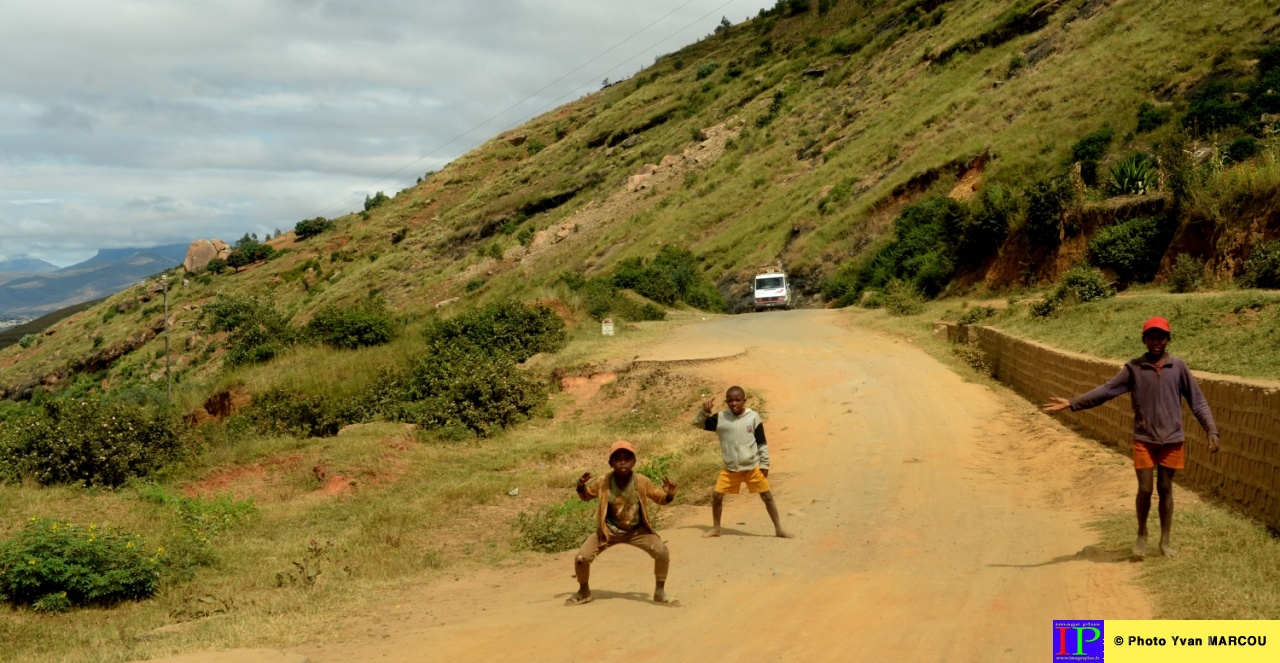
x=387, y=177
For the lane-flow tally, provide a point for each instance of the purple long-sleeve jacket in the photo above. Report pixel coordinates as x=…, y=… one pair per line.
x=1157, y=399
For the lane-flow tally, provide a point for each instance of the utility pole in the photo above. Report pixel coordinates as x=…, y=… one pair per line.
x=167, y=378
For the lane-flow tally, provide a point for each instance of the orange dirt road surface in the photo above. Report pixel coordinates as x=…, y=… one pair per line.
x=937, y=520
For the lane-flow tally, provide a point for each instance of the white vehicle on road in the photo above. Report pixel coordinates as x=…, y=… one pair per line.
x=771, y=290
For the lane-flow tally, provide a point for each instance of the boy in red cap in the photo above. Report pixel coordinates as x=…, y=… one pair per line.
x=1157, y=383
x=622, y=518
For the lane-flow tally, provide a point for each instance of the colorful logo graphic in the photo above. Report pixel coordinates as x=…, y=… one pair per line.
x=1078, y=640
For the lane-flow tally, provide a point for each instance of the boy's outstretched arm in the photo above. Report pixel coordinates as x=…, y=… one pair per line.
x=1112, y=388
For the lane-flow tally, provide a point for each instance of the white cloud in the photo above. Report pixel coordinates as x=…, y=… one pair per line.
x=141, y=122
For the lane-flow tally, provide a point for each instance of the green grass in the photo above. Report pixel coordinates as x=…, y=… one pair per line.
x=1228, y=566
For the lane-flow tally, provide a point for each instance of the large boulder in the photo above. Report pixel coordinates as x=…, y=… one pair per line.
x=202, y=251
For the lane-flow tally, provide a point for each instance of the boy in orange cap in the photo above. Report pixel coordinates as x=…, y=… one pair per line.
x=622, y=518
x=1157, y=382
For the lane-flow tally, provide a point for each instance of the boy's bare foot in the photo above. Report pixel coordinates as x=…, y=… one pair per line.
x=711, y=533
x=661, y=598
x=783, y=534
x=1167, y=550
x=578, y=599
x=1140, y=547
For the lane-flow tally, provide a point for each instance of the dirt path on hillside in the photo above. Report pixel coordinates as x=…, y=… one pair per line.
x=937, y=520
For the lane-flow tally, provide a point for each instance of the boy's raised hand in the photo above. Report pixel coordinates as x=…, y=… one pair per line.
x=709, y=405
x=670, y=487
x=582, y=480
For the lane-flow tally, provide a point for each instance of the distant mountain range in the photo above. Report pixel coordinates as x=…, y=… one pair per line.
x=35, y=287
x=27, y=266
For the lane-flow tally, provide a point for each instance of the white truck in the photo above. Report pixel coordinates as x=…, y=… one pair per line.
x=771, y=289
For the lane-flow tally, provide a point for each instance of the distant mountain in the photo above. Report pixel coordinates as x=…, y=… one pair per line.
x=108, y=272
x=27, y=265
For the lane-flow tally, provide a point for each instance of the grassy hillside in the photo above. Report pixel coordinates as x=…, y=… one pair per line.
x=794, y=137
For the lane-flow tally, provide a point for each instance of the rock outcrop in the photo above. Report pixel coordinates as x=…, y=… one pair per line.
x=202, y=251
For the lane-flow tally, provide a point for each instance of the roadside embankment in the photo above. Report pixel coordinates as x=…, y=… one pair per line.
x=1246, y=471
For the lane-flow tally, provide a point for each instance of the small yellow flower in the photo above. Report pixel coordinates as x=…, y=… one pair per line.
x=130, y=545
x=32, y=562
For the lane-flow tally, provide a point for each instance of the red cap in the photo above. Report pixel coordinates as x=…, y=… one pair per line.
x=1155, y=322
x=619, y=445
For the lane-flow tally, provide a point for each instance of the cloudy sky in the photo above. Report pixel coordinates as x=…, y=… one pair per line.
x=141, y=122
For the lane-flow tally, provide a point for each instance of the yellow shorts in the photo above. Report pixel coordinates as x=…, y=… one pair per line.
x=729, y=482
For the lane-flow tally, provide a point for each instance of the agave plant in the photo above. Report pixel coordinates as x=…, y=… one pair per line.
x=1136, y=174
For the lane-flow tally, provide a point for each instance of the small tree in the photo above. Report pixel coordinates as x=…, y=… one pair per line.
x=308, y=228
x=217, y=266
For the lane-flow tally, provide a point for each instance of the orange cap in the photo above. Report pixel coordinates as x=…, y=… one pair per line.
x=620, y=445
x=1155, y=322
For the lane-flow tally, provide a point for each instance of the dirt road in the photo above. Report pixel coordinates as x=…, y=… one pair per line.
x=936, y=521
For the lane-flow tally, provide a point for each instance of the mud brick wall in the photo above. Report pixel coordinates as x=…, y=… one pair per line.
x=1245, y=472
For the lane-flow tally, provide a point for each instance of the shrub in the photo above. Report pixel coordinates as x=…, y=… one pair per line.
x=258, y=331
x=200, y=522
x=309, y=228
x=792, y=7
x=987, y=226
x=1089, y=150
x=460, y=390
x=902, y=298
x=1078, y=286
x=507, y=328
x=973, y=356
x=1047, y=199
x=1135, y=174
x=53, y=565
x=1186, y=274
x=1132, y=248
x=375, y=201
x=1262, y=268
x=977, y=314
x=1152, y=117
x=1211, y=108
x=217, y=266
x=474, y=285
x=28, y=340
x=658, y=467
x=557, y=527
x=706, y=70
x=671, y=276
x=365, y=324
x=279, y=412
x=1242, y=149
x=88, y=442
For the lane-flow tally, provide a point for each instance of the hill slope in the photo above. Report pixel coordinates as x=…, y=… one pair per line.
x=798, y=136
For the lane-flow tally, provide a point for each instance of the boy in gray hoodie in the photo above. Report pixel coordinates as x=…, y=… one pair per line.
x=1156, y=382
x=745, y=452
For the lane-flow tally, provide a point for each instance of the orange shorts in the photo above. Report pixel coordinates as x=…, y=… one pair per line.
x=729, y=482
x=1147, y=456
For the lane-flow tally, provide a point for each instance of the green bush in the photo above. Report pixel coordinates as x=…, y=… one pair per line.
x=1262, y=268
x=28, y=340
x=1078, y=286
x=1242, y=149
x=902, y=298
x=1132, y=248
x=1047, y=199
x=706, y=70
x=1152, y=117
x=984, y=230
x=362, y=325
x=52, y=565
x=377, y=200
x=88, y=442
x=459, y=390
x=977, y=314
x=1135, y=174
x=671, y=276
x=309, y=228
x=258, y=332
x=474, y=285
x=1186, y=274
x=657, y=467
x=557, y=527
x=279, y=412
x=1089, y=150
x=216, y=266
x=1212, y=108
x=507, y=328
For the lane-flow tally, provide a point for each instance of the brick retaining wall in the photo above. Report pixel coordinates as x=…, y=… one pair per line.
x=1245, y=472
